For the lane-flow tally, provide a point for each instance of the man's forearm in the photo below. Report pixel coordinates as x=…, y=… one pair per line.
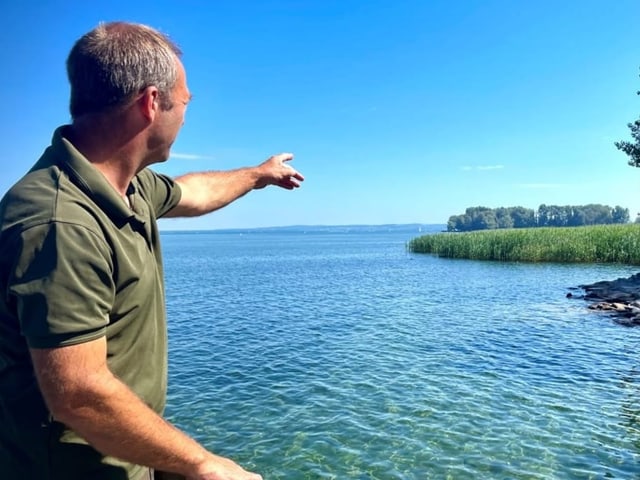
x=205, y=192
x=81, y=392
x=116, y=422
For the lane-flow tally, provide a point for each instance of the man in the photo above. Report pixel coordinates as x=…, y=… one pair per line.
x=82, y=318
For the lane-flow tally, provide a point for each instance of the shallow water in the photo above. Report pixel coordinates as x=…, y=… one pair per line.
x=338, y=355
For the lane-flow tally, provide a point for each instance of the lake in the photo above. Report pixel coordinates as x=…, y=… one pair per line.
x=334, y=353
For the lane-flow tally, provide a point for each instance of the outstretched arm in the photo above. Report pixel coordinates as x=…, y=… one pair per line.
x=205, y=192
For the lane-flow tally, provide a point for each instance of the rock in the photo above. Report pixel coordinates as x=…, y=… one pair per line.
x=620, y=297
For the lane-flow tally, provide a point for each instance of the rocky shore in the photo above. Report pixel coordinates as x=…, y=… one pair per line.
x=620, y=298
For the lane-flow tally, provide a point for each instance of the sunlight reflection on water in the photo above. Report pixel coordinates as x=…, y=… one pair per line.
x=343, y=356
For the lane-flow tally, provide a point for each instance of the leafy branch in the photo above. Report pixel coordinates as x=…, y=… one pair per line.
x=632, y=149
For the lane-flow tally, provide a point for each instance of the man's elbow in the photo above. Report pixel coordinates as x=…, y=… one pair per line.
x=71, y=406
x=73, y=401
x=63, y=410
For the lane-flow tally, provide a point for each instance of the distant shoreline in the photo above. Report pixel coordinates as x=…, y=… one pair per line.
x=415, y=228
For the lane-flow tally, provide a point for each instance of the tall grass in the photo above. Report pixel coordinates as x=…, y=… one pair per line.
x=589, y=244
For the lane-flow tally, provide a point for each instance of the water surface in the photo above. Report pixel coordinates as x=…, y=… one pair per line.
x=338, y=355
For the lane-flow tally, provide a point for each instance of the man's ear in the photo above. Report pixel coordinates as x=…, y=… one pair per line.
x=149, y=103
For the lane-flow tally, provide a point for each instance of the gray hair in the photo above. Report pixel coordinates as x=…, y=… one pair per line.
x=114, y=62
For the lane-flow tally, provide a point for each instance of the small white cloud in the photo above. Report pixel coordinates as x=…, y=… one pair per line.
x=541, y=185
x=191, y=156
x=467, y=168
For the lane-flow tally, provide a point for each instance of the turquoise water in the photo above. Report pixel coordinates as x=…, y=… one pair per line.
x=338, y=355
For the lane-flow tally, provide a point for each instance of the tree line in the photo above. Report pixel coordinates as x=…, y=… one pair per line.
x=484, y=218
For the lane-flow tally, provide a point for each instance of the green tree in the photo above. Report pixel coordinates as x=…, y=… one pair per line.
x=632, y=149
x=620, y=215
x=523, y=217
x=598, y=214
x=543, y=216
x=553, y=215
x=504, y=218
x=485, y=220
x=482, y=218
x=459, y=223
x=578, y=217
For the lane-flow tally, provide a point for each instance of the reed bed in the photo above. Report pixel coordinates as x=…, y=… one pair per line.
x=589, y=244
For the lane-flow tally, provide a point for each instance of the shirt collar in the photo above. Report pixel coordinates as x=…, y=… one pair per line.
x=91, y=180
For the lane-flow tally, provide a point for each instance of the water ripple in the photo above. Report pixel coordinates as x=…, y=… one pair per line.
x=336, y=357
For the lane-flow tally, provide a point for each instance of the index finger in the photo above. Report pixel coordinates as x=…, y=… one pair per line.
x=283, y=157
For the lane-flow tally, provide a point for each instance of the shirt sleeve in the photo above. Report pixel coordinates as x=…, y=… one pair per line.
x=161, y=192
x=62, y=284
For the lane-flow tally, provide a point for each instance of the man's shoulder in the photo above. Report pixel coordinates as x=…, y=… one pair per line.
x=160, y=191
x=44, y=195
x=149, y=181
x=32, y=194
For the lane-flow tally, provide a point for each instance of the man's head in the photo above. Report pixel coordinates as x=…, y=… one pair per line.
x=112, y=64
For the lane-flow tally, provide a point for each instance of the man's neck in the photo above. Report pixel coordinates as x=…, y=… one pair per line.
x=109, y=149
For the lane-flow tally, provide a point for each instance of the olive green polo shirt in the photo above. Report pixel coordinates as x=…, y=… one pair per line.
x=77, y=264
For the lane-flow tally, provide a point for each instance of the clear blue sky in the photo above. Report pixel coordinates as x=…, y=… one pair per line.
x=397, y=111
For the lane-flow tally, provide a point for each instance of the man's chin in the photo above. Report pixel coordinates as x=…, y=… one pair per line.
x=155, y=158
